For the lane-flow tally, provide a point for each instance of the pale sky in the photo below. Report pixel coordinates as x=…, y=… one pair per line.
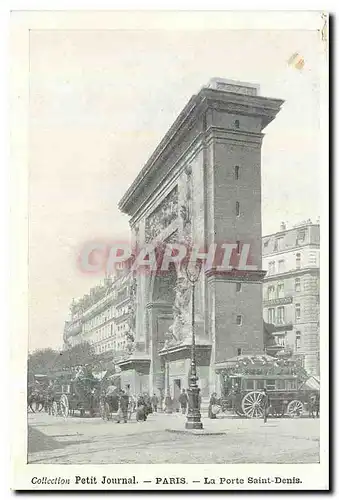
x=100, y=102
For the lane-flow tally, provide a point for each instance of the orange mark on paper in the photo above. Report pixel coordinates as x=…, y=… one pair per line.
x=296, y=60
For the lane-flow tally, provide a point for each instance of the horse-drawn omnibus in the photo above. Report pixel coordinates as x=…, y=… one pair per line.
x=244, y=378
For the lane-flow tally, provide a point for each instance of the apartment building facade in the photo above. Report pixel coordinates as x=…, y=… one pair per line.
x=291, y=291
x=102, y=317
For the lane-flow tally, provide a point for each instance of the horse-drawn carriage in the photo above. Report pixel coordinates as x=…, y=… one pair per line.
x=36, y=392
x=75, y=393
x=245, y=377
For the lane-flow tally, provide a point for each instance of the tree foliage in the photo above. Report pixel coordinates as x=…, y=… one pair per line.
x=78, y=355
x=46, y=361
x=42, y=361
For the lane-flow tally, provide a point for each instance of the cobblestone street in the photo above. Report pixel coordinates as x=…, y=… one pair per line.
x=235, y=440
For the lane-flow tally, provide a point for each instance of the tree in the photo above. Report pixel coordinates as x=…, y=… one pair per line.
x=46, y=361
x=43, y=361
x=78, y=355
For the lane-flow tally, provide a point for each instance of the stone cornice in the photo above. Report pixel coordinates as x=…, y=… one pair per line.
x=233, y=137
x=134, y=361
x=254, y=105
x=184, y=120
x=291, y=274
x=184, y=347
x=235, y=275
x=159, y=305
x=167, y=182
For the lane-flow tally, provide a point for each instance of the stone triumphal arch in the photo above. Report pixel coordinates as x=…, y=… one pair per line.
x=202, y=185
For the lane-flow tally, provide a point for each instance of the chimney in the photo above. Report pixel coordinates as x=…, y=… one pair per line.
x=282, y=226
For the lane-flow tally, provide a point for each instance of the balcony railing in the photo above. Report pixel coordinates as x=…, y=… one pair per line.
x=282, y=326
x=72, y=329
x=278, y=301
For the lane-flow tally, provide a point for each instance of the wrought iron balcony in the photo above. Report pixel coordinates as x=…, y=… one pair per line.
x=279, y=301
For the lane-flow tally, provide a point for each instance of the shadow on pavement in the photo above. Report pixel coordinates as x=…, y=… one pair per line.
x=37, y=441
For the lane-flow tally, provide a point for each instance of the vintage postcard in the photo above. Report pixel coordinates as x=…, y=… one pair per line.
x=170, y=219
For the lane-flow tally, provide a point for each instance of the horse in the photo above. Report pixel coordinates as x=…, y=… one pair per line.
x=36, y=401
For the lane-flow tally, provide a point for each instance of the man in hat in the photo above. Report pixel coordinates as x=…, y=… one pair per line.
x=183, y=400
x=123, y=403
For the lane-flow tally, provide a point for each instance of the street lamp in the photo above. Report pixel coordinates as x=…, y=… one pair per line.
x=193, y=416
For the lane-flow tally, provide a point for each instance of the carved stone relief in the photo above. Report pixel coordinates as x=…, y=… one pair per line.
x=186, y=207
x=162, y=216
x=130, y=334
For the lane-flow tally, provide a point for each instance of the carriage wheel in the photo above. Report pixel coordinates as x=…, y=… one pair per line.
x=32, y=406
x=295, y=408
x=54, y=408
x=251, y=405
x=64, y=406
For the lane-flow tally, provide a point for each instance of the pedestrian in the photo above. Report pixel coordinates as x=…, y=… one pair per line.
x=141, y=414
x=155, y=402
x=312, y=405
x=112, y=398
x=123, y=406
x=265, y=401
x=317, y=404
x=133, y=403
x=212, y=404
x=161, y=400
x=148, y=404
x=183, y=400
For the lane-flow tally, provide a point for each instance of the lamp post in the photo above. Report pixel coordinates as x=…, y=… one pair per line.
x=193, y=416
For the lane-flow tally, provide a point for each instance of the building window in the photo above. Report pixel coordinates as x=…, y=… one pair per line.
x=297, y=285
x=249, y=385
x=270, y=385
x=312, y=259
x=238, y=247
x=236, y=172
x=297, y=312
x=278, y=244
x=281, y=266
x=271, y=315
x=281, y=315
x=280, y=290
x=301, y=237
x=237, y=208
x=298, y=260
x=270, y=292
x=238, y=287
x=237, y=124
x=271, y=267
x=280, y=339
x=297, y=340
x=239, y=320
x=239, y=351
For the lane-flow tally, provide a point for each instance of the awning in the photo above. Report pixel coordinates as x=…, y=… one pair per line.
x=311, y=384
